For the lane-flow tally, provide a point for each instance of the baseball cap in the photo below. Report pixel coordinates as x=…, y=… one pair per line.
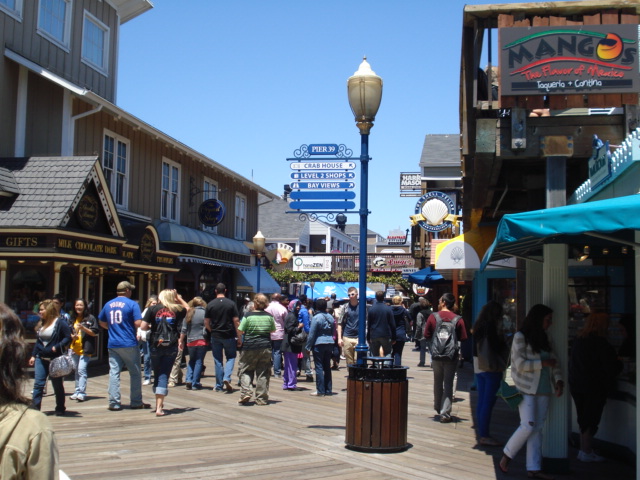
x=122, y=286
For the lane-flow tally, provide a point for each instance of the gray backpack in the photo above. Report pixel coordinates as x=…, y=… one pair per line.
x=444, y=343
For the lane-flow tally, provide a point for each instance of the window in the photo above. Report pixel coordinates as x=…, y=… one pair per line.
x=12, y=7
x=54, y=21
x=95, y=43
x=170, y=200
x=210, y=191
x=241, y=217
x=115, y=165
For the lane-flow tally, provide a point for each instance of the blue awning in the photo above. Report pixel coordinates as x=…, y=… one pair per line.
x=248, y=277
x=524, y=234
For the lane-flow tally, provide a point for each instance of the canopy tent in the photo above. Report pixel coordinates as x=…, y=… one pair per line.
x=522, y=235
x=426, y=277
x=248, y=278
x=325, y=289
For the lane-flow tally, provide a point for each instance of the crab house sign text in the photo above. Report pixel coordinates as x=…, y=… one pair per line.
x=569, y=60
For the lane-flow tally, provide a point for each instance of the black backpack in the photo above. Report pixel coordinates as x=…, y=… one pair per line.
x=164, y=336
x=444, y=343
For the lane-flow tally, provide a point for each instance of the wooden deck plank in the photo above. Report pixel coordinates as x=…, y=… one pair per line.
x=208, y=435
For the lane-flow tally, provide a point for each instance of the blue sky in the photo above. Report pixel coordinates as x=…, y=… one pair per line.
x=247, y=82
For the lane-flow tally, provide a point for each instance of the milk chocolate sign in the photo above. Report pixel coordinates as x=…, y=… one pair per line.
x=575, y=59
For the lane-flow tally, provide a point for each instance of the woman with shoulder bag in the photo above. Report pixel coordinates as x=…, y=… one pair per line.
x=196, y=338
x=163, y=320
x=84, y=329
x=53, y=338
x=536, y=373
x=490, y=354
x=403, y=326
x=292, y=327
x=320, y=341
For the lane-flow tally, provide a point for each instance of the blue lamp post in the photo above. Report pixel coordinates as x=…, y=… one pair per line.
x=258, y=246
x=365, y=93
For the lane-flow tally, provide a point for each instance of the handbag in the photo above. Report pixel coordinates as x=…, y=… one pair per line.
x=61, y=366
x=509, y=394
x=299, y=339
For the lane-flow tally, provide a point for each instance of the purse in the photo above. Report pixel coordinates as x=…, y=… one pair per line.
x=299, y=339
x=509, y=394
x=61, y=366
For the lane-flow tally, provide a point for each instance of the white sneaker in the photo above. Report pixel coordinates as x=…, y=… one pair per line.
x=74, y=396
x=147, y=382
x=589, y=457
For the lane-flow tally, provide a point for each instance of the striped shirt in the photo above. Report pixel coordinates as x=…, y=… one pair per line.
x=257, y=327
x=526, y=366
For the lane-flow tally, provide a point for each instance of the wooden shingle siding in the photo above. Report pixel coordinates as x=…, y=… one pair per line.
x=22, y=38
x=558, y=102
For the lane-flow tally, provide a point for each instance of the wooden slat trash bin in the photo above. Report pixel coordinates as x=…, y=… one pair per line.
x=377, y=401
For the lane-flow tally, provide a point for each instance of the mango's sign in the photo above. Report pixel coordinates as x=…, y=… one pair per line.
x=572, y=59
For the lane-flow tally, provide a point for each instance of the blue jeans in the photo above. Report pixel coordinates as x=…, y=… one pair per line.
x=144, y=348
x=488, y=384
x=81, y=362
x=194, y=367
x=119, y=358
x=41, y=370
x=322, y=361
x=398, y=347
x=276, y=357
x=162, y=359
x=229, y=347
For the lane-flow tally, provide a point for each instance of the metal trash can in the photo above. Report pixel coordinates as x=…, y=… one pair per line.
x=377, y=401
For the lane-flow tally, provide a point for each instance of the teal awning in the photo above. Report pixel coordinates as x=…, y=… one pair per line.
x=174, y=233
x=523, y=234
x=248, y=277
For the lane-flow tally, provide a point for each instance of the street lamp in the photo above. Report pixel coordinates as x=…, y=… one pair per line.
x=365, y=93
x=258, y=246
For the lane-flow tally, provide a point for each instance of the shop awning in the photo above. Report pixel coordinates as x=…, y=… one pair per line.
x=465, y=251
x=523, y=234
x=174, y=233
x=247, y=278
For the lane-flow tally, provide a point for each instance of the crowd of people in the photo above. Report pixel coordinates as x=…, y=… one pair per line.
x=277, y=337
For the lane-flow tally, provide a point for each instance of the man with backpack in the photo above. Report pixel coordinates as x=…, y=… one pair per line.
x=444, y=330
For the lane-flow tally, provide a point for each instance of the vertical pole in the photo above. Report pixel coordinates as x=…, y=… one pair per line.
x=361, y=348
x=258, y=264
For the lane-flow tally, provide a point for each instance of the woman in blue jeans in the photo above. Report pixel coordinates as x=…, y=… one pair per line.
x=84, y=329
x=53, y=338
x=321, y=341
x=163, y=320
x=490, y=355
x=193, y=335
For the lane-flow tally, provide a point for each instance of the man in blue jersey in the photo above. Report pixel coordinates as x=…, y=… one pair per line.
x=122, y=317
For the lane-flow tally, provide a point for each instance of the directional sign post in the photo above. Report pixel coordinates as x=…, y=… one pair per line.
x=322, y=185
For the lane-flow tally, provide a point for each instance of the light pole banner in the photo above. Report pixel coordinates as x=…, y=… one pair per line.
x=312, y=264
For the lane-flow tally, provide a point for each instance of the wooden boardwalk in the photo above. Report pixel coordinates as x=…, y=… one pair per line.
x=208, y=435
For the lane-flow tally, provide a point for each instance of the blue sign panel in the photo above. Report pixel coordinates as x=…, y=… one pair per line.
x=325, y=205
x=322, y=149
x=211, y=212
x=322, y=175
x=323, y=195
x=321, y=185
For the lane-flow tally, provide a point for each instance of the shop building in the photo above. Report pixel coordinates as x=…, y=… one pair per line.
x=529, y=148
x=92, y=195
